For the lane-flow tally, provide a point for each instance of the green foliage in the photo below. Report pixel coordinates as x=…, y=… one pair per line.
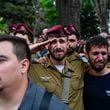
x=50, y=12
x=3, y=26
x=17, y=11
x=38, y=14
x=86, y=5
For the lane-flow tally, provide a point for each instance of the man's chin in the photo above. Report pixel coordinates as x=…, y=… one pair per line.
x=59, y=58
x=99, y=69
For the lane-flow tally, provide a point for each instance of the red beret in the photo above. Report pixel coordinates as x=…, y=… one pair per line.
x=73, y=30
x=12, y=27
x=57, y=31
x=23, y=28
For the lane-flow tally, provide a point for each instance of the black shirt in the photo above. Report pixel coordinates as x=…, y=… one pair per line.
x=97, y=92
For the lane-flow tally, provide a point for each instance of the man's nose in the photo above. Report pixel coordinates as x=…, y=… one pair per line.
x=58, y=44
x=100, y=57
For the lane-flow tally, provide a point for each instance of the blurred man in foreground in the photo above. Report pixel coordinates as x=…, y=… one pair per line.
x=17, y=92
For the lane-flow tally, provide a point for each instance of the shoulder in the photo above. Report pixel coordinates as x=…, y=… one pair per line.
x=55, y=103
x=36, y=67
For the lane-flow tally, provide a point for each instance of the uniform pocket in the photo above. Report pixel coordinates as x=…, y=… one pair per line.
x=77, y=82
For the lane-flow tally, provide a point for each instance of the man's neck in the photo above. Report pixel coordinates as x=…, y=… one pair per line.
x=12, y=97
x=99, y=73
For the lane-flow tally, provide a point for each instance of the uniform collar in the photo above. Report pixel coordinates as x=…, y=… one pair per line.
x=67, y=67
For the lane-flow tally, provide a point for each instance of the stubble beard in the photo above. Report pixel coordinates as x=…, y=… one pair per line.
x=70, y=50
x=57, y=58
x=97, y=69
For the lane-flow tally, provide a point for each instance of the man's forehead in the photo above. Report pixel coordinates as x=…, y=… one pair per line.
x=5, y=45
x=72, y=37
x=5, y=42
x=6, y=49
x=98, y=47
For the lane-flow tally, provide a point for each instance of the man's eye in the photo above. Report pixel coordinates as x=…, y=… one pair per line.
x=71, y=40
x=95, y=53
x=54, y=42
x=104, y=53
x=62, y=41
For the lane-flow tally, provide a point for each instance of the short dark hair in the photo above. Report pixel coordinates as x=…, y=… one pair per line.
x=20, y=47
x=96, y=41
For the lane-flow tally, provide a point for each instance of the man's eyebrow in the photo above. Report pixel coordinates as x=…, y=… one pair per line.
x=3, y=56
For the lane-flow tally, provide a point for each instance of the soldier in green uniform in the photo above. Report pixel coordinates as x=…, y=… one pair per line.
x=58, y=75
x=73, y=39
x=73, y=52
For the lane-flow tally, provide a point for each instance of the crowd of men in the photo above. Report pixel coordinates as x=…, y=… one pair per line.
x=66, y=75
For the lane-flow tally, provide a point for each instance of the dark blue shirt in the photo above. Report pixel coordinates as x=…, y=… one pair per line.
x=33, y=97
x=97, y=92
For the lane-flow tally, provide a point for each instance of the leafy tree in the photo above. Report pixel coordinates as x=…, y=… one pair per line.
x=51, y=15
x=37, y=14
x=89, y=20
x=15, y=11
x=44, y=13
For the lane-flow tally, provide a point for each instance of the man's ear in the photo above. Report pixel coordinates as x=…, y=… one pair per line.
x=24, y=66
